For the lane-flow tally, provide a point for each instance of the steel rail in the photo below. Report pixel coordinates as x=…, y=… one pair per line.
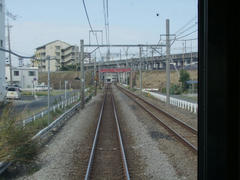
x=124, y=159
x=178, y=121
x=177, y=135
x=95, y=141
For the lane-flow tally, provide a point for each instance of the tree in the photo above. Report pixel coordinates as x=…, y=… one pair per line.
x=184, y=77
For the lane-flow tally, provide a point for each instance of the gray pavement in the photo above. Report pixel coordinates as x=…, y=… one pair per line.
x=31, y=104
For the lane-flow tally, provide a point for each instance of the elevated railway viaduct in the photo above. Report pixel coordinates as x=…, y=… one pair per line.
x=149, y=63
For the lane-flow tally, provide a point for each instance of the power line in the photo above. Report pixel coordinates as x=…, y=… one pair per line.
x=188, y=39
x=90, y=25
x=186, y=35
x=106, y=24
x=180, y=29
x=186, y=29
x=105, y=21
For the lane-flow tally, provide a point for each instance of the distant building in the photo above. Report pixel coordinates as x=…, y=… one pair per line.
x=25, y=77
x=69, y=55
x=61, y=53
x=2, y=53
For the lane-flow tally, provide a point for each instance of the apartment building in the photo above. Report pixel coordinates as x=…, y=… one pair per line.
x=69, y=56
x=61, y=54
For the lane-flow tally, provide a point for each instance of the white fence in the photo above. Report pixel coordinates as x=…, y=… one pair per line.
x=61, y=105
x=192, y=107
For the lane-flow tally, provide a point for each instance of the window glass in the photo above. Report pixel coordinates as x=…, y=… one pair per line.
x=31, y=73
x=16, y=73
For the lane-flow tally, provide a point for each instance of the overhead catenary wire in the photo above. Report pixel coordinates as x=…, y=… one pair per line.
x=106, y=25
x=89, y=23
x=186, y=35
x=185, y=25
x=182, y=32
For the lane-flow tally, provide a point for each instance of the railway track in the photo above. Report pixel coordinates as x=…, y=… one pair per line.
x=183, y=132
x=107, y=158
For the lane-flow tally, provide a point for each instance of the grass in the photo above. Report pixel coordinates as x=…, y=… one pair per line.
x=15, y=141
x=44, y=93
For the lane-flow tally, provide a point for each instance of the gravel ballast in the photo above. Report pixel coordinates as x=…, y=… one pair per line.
x=56, y=158
x=160, y=155
x=152, y=152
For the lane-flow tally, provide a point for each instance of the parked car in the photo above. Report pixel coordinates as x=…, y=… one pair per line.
x=13, y=93
x=14, y=85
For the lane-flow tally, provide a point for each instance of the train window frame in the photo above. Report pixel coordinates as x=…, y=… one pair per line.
x=218, y=138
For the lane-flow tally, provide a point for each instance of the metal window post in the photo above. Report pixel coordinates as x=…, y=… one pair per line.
x=167, y=61
x=82, y=73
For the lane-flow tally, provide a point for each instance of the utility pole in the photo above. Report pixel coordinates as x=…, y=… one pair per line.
x=9, y=48
x=65, y=88
x=82, y=73
x=126, y=73
x=95, y=77
x=152, y=60
x=131, y=74
x=167, y=60
x=48, y=59
x=140, y=59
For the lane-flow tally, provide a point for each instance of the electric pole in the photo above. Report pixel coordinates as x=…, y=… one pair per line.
x=9, y=54
x=48, y=59
x=82, y=73
x=13, y=17
x=95, y=77
x=167, y=60
x=140, y=59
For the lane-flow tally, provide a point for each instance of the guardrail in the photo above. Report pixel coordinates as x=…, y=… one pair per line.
x=192, y=107
x=44, y=131
x=189, y=106
x=62, y=104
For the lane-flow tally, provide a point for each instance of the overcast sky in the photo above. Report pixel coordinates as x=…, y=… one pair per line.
x=130, y=21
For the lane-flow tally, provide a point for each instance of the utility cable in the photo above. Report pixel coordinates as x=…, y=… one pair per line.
x=182, y=32
x=186, y=35
x=89, y=23
x=190, y=21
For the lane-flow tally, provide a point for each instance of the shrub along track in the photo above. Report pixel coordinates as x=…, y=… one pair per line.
x=183, y=132
x=107, y=158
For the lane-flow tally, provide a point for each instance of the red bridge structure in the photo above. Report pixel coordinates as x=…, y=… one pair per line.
x=115, y=70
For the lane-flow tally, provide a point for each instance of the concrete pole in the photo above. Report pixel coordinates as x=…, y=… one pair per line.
x=48, y=59
x=9, y=48
x=167, y=60
x=99, y=75
x=65, y=88
x=131, y=75
x=152, y=60
x=82, y=74
x=140, y=68
x=94, y=76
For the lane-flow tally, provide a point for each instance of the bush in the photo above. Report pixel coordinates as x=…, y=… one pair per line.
x=175, y=89
x=164, y=91
x=184, y=77
x=15, y=141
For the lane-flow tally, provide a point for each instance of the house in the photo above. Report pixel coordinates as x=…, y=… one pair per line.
x=25, y=77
